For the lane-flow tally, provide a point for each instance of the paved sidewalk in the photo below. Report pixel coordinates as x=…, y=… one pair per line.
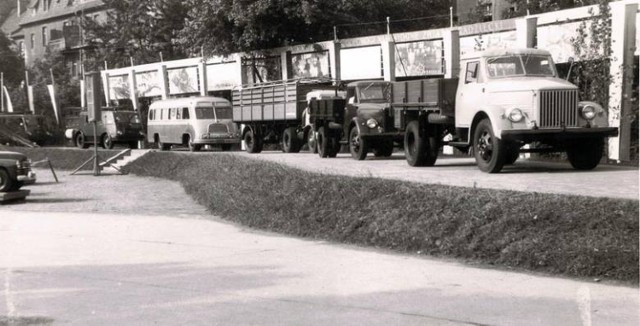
x=132, y=262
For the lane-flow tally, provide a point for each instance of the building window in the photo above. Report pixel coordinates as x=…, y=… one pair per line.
x=33, y=40
x=44, y=36
x=21, y=48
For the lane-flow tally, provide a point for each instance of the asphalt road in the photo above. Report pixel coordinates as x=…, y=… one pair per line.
x=138, y=251
x=524, y=175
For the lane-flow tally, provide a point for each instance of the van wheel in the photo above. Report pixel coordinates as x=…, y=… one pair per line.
x=489, y=151
x=80, y=141
x=358, y=146
x=6, y=183
x=252, y=142
x=290, y=142
x=107, y=141
x=586, y=154
x=162, y=146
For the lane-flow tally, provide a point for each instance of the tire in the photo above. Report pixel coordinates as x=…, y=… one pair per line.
x=80, y=141
x=252, y=143
x=419, y=150
x=312, y=141
x=162, y=146
x=357, y=145
x=324, y=143
x=106, y=141
x=489, y=151
x=192, y=147
x=290, y=142
x=6, y=183
x=586, y=155
x=384, y=149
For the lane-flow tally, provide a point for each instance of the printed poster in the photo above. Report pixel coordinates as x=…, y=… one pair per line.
x=311, y=65
x=119, y=87
x=148, y=84
x=183, y=80
x=419, y=59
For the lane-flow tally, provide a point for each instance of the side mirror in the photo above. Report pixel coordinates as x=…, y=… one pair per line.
x=571, y=61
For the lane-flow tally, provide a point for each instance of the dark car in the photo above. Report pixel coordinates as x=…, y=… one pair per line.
x=116, y=126
x=15, y=171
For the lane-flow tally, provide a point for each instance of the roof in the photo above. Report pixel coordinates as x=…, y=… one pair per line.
x=190, y=100
x=58, y=9
x=496, y=52
x=11, y=25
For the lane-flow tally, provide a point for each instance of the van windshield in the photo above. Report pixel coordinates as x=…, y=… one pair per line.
x=223, y=112
x=204, y=112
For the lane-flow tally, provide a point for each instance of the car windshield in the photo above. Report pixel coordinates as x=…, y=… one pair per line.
x=204, y=112
x=223, y=112
x=520, y=65
x=130, y=117
x=374, y=93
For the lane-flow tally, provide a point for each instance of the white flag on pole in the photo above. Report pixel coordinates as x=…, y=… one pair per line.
x=52, y=93
x=30, y=99
x=9, y=104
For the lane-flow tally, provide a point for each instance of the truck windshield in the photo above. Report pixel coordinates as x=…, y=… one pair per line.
x=127, y=117
x=520, y=65
x=374, y=93
x=223, y=112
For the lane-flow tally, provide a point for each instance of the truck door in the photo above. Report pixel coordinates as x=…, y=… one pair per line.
x=470, y=95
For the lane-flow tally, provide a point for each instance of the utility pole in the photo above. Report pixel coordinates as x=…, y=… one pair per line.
x=1, y=91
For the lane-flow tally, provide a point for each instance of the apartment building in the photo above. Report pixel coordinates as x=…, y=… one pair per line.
x=38, y=26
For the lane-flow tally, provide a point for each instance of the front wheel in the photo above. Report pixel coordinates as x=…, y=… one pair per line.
x=312, y=141
x=107, y=141
x=80, y=141
x=489, y=151
x=358, y=146
x=325, y=147
x=585, y=155
x=6, y=183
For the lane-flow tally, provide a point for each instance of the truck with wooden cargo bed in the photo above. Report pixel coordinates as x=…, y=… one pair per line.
x=504, y=99
x=274, y=113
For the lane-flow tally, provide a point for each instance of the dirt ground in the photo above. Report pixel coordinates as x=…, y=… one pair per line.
x=86, y=193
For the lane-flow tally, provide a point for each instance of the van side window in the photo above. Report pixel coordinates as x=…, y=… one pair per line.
x=185, y=113
x=471, y=76
x=178, y=111
x=161, y=114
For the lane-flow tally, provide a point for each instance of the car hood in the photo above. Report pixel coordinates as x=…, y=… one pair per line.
x=12, y=155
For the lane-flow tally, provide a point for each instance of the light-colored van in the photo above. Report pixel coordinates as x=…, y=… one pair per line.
x=192, y=122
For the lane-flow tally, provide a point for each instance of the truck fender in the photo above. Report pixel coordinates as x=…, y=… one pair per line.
x=359, y=123
x=495, y=115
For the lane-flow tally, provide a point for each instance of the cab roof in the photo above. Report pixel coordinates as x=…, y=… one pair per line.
x=186, y=101
x=497, y=52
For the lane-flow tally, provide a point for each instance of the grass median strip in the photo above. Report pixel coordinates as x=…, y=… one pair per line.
x=557, y=234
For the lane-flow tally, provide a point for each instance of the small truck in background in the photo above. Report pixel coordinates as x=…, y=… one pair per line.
x=504, y=99
x=273, y=113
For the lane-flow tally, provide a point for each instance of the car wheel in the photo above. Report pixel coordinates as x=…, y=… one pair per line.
x=358, y=146
x=6, y=183
x=585, y=155
x=489, y=151
x=107, y=141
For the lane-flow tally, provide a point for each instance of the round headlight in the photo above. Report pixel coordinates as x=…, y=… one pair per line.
x=516, y=115
x=372, y=123
x=588, y=112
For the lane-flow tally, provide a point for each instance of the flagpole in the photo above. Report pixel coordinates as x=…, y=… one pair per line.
x=1, y=91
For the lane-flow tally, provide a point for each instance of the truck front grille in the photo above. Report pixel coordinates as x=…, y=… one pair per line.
x=218, y=128
x=559, y=108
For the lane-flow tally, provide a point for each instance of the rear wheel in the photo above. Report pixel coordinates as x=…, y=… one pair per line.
x=420, y=150
x=489, y=151
x=358, y=146
x=252, y=143
x=585, y=155
x=290, y=142
x=160, y=145
x=6, y=183
x=80, y=141
x=324, y=143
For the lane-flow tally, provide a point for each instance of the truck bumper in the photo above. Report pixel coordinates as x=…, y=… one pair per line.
x=216, y=141
x=558, y=134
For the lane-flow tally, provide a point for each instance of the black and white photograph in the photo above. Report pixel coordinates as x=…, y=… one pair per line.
x=319, y=162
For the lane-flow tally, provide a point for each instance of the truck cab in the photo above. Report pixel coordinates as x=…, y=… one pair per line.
x=116, y=125
x=508, y=98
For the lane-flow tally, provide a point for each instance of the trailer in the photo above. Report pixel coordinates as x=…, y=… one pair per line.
x=274, y=113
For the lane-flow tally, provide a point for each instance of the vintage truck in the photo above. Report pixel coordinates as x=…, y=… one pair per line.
x=117, y=125
x=273, y=113
x=504, y=99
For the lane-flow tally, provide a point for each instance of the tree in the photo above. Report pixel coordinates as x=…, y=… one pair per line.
x=227, y=26
x=138, y=29
x=524, y=7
